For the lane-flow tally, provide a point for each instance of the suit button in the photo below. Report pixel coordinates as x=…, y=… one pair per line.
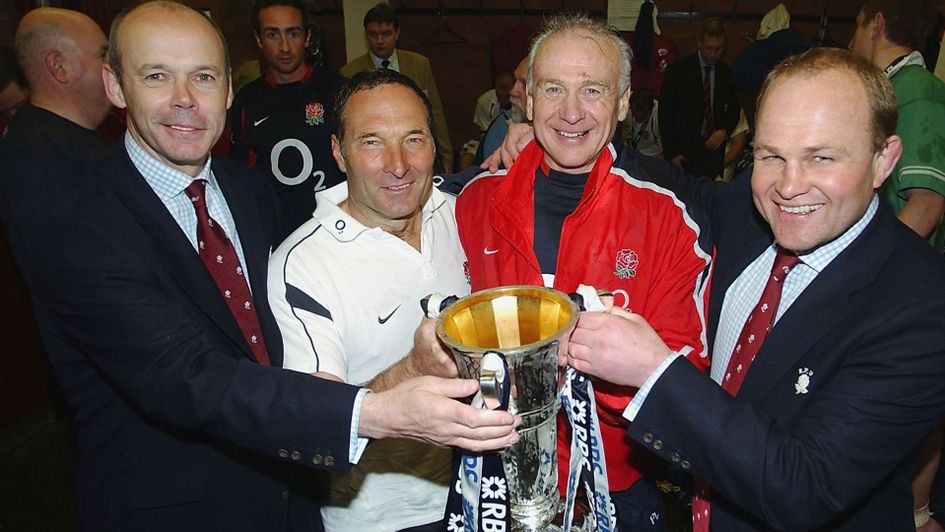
x=295, y=456
x=329, y=460
x=657, y=444
x=283, y=453
x=285, y=494
x=675, y=458
x=317, y=459
x=685, y=464
x=647, y=438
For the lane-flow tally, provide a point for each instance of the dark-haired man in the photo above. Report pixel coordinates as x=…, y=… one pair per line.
x=890, y=33
x=699, y=106
x=150, y=291
x=345, y=290
x=382, y=29
x=282, y=122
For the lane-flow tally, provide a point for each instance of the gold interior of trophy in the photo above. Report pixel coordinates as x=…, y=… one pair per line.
x=507, y=317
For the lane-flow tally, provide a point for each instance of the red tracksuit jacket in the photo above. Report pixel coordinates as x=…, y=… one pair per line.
x=629, y=235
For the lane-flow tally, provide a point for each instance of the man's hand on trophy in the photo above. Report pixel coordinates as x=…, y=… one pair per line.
x=426, y=409
x=428, y=357
x=616, y=346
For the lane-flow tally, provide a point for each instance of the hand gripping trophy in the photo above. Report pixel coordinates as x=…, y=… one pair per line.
x=509, y=339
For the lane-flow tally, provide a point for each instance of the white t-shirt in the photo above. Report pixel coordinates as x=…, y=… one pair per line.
x=347, y=299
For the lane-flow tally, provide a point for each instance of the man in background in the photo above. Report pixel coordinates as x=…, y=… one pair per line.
x=382, y=29
x=282, y=122
x=641, y=129
x=493, y=137
x=52, y=141
x=889, y=34
x=699, y=106
x=494, y=101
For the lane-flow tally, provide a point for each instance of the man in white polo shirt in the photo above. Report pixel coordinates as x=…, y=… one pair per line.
x=345, y=288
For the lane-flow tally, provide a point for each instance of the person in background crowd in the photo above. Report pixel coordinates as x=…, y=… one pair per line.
x=382, y=30
x=699, y=105
x=282, y=122
x=52, y=140
x=494, y=102
x=641, y=129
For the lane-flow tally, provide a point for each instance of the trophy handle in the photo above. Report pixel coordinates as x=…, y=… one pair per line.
x=494, y=382
x=434, y=304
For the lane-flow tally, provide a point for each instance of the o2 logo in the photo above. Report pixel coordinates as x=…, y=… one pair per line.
x=308, y=164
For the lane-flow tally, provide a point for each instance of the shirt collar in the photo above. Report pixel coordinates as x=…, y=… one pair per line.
x=344, y=227
x=394, y=63
x=818, y=259
x=166, y=181
x=912, y=58
x=702, y=63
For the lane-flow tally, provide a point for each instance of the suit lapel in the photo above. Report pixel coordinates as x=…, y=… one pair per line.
x=172, y=247
x=406, y=65
x=821, y=307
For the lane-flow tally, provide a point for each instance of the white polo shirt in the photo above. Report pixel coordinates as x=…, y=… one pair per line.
x=347, y=299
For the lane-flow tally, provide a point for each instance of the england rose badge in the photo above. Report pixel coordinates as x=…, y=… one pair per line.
x=314, y=114
x=627, y=262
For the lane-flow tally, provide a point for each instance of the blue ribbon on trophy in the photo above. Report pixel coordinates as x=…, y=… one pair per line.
x=587, y=454
x=481, y=496
x=479, y=499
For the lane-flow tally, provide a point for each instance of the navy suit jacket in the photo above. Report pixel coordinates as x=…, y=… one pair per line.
x=681, y=114
x=870, y=328
x=177, y=426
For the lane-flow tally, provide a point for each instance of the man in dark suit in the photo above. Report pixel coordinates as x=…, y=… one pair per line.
x=814, y=429
x=698, y=106
x=167, y=354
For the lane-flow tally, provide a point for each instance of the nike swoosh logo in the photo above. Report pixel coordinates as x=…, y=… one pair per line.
x=488, y=251
x=382, y=321
x=260, y=121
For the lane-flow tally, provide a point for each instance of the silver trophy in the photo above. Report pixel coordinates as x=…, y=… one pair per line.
x=528, y=326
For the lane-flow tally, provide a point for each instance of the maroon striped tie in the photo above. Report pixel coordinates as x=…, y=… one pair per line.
x=707, y=102
x=219, y=256
x=753, y=333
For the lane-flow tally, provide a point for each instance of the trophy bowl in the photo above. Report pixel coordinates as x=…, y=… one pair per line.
x=528, y=326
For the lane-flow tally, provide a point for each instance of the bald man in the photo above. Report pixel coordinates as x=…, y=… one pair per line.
x=52, y=142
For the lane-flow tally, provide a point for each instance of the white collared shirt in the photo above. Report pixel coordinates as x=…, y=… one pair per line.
x=394, y=63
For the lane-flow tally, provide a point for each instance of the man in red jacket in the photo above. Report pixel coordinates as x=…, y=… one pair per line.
x=574, y=208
